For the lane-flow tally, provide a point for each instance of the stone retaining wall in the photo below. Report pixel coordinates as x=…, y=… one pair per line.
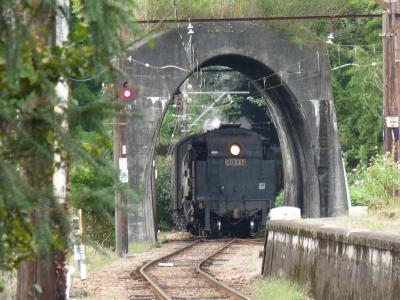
x=338, y=263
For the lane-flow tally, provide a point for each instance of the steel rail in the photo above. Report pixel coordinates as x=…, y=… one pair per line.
x=152, y=282
x=268, y=18
x=233, y=293
x=252, y=241
x=212, y=279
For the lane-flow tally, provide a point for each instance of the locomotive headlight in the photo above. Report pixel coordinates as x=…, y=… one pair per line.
x=235, y=149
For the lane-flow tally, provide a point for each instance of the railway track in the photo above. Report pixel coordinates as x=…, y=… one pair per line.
x=237, y=265
x=180, y=275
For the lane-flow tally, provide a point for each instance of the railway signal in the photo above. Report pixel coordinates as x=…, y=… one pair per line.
x=127, y=94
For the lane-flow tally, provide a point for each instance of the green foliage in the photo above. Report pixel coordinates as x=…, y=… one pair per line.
x=301, y=31
x=169, y=133
x=152, y=9
x=98, y=258
x=31, y=131
x=93, y=192
x=31, y=65
x=376, y=185
x=358, y=91
x=164, y=213
x=15, y=225
x=280, y=199
x=280, y=289
x=139, y=248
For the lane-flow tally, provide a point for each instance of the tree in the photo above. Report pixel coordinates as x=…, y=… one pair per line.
x=33, y=225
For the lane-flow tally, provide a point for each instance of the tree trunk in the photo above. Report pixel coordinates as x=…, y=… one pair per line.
x=40, y=279
x=44, y=277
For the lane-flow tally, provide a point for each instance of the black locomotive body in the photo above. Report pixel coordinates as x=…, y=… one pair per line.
x=224, y=181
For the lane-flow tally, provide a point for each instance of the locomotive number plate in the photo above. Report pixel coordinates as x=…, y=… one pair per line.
x=235, y=162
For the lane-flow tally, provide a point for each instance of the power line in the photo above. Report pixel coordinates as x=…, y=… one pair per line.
x=147, y=65
x=270, y=18
x=308, y=76
x=355, y=65
x=89, y=78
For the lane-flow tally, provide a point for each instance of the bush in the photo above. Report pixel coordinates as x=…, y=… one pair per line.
x=280, y=199
x=377, y=184
x=92, y=191
x=163, y=183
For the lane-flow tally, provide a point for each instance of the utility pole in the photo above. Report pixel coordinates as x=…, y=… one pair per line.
x=391, y=71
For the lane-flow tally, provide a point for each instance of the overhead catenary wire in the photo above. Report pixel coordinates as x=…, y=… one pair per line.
x=160, y=22
x=260, y=92
x=282, y=83
x=267, y=18
x=355, y=65
x=208, y=109
x=147, y=65
x=89, y=78
x=178, y=21
x=200, y=70
x=278, y=73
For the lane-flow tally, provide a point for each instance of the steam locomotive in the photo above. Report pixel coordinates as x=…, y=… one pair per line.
x=224, y=182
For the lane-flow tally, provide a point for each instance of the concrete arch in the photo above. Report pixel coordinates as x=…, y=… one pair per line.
x=298, y=91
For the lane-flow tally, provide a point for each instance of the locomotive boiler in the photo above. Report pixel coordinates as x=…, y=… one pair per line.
x=224, y=181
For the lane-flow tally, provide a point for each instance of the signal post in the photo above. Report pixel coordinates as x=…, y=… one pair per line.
x=126, y=95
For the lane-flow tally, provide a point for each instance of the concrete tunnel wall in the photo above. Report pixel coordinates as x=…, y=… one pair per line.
x=298, y=91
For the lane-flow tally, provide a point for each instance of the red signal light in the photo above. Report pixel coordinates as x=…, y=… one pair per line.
x=126, y=94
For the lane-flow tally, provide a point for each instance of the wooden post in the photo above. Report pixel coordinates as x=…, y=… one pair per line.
x=391, y=81
x=121, y=217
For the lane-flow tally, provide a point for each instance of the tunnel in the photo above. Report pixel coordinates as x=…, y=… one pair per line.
x=294, y=80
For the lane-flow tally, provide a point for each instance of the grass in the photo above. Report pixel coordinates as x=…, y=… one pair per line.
x=98, y=258
x=379, y=220
x=138, y=248
x=382, y=220
x=163, y=237
x=102, y=297
x=279, y=289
